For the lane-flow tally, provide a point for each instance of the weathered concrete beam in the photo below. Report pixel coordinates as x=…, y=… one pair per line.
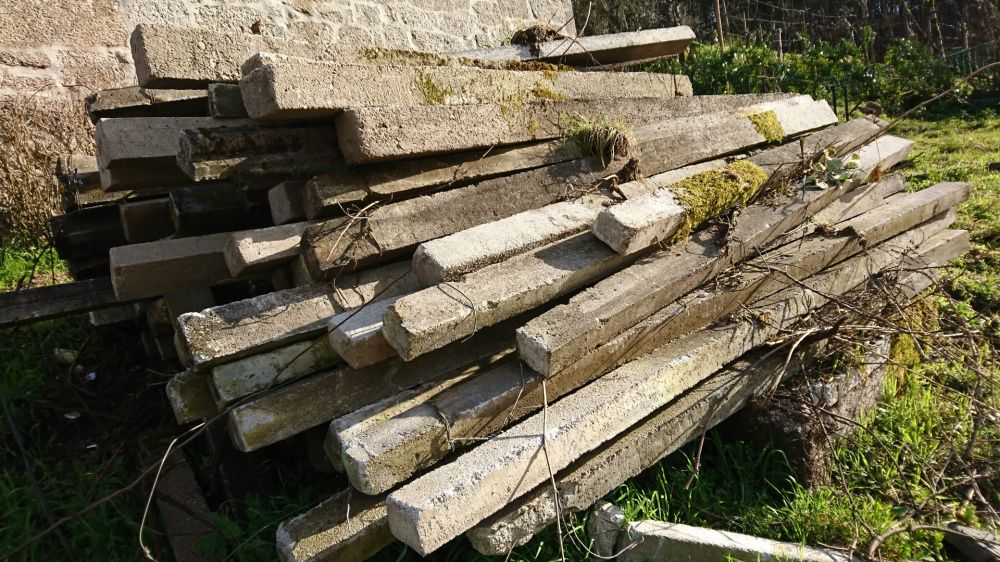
x=419, y=438
x=377, y=134
x=167, y=266
x=308, y=89
x=396, y=229
x=331, y=194
x=656, y=540
x=451, y=257
x=294, y=150
x=310, y=402
x=438, y=506
x=285, y=201
x=224, y=333
x=597, y=50
x=244, y=376
x=133, y=101
x=146, y=221
x=150, y=175
x=349, y=527
x=357, y=337
x=262, y=249
x=561, y=336
x=124, y=140
x=110, y=316
x=354, y=428
x=217, y=207
x=226, y=101
x=190, y=397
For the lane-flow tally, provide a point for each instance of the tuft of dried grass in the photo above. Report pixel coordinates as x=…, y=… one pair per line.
x=36, y=131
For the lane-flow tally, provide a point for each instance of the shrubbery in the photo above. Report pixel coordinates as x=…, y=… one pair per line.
x=907, y=74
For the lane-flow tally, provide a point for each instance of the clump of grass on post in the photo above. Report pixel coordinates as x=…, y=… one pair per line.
x=600, y=136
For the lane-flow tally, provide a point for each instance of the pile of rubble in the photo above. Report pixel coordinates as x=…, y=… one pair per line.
x=502, y=286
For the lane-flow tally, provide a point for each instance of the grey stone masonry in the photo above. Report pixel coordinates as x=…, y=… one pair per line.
x=304, y=89
x=598, y=50
x=437, y=507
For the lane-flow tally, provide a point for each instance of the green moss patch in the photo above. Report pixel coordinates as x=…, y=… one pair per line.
x=710, y=194
x=432, y=91
x=768, y=126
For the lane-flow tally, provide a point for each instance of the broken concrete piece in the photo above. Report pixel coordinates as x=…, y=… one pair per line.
x=167, y=266
x=225, y=101
x=354, y=428
x=190, y=397
x=133, y=101
x=146, y=221
x=252, y=251
x=561, y=336
x=291, y=88
x=434, y=317
x=449, y=258
x=307, y=403
x=247, y=375
x=598, y=50
x=438, y=506
x=300, y=151
x=604, y=525
x=656, y=540
x=285, y=201
x=374, y=135
x=356, y=335
x=224, y=333
x=348, y=527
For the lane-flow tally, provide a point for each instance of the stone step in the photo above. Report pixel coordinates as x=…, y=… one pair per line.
x=418, y=438
x=133, y=101
x=396, y=229
x=597, y=473
x=291, y=88
x=558, y=338
x=256, y=150
x=252, y=326
x=437, y=507
x=378, y=134
x=598, y=50
x=310, y=402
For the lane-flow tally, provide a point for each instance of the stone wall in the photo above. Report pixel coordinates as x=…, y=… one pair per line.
x=58, y=51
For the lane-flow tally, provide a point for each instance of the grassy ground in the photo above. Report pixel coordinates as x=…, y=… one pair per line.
x=82, y=438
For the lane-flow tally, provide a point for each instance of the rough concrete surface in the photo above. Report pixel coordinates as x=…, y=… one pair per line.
x=167, y=266
x=301, y=88
x=285, y=201
x=252, y=251
x=598, y=50
x=348, y=527
x=357, y=335
x=146, y=221
x=438, y=506
x=251, y=326
x=656, y=540
x=242, y=377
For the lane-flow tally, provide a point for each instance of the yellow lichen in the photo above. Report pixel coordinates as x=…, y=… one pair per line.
x=432, y=92
x=543, y=92
x=598, y=136
x=709, y=194
x=550, y=75
x=767, y=124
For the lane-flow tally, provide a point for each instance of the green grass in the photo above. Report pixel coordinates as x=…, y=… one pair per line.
x=19, y=264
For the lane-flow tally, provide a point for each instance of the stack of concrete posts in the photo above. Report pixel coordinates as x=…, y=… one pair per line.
x=478, y=277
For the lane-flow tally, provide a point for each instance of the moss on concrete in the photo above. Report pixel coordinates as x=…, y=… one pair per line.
x=543, y=92
x=767, y=124
x=431, y=91
x=712, y=193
